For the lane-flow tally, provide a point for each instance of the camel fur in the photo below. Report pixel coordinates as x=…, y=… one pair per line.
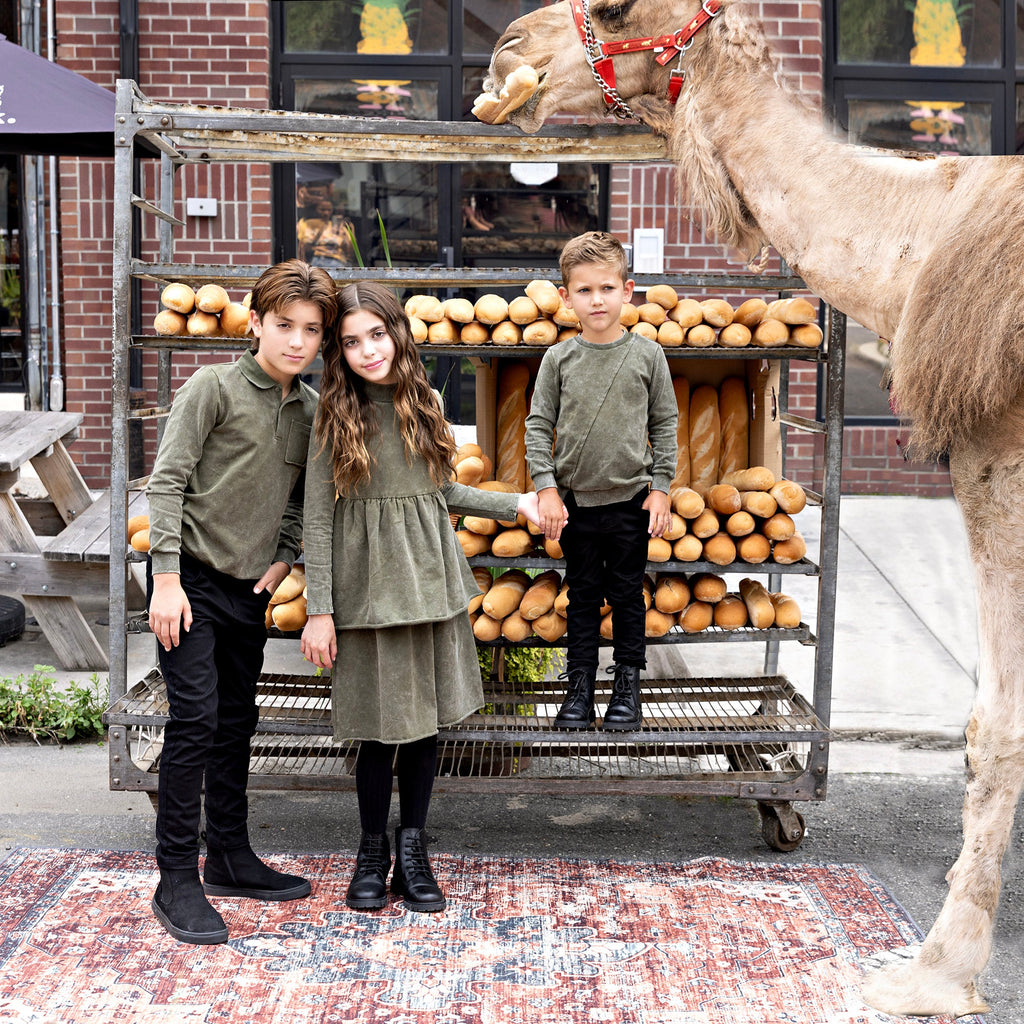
x=928, y=253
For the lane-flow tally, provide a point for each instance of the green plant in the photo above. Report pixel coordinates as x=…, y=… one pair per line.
x=522, y=664
x=37, y=706
x=10, y=284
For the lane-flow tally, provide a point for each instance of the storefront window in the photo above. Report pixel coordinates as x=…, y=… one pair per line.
x=393, y=27
x=931, y=126
x=11, y=341
x=920, y=33
x=483, y=21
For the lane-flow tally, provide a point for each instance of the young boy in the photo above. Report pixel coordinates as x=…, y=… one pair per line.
x=601, y=436
x=225, y=500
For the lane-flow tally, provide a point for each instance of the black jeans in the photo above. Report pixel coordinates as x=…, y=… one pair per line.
x=605, y=548
x=211, y=689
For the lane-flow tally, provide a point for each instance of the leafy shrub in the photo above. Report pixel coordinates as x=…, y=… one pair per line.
x=36, y=705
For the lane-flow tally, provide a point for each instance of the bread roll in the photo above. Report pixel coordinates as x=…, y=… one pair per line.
x=705, y=437
x=481, y=525
x=136, y=523
x=565, y=317
x=760, y=610
x=750, y=313
x=523, y=310
x=510, y=428
x=739, y=524
x=491, y=309
x=628, y=315
x=505, y=593
x=791, y=497
x=473, y=333
x=676, y=528
x=506, y=333
x=211, y=298
x=540, y=596
x=754, y=478
x=458, y=310
x=540, y=332
x=291, y=615
x=734, y=336
x=234, y=320
x=708, y=587
x=720, y=549
x=670, y=334
x=787, y=611
x=545, y=295
x=466, y=449
x=645, y=330
x=515, y=628
x=778, y=527
x=443, y=332
x=734, y=414
x=289, y=588
x=687, y=313
x=671, y=594
x=806, y=335
x=681, y=389
x=170, y=321
x=473, y=543
x=657, y=623
x=203, y=325
x=483, y=579
x=754, y=548
x=486, y=629
x=512, y=543
x=701, y=336
x=688, y=549
x=717, y=312
x=791, y=311
x=419, y=329
x=770, y=334
x=652, y=313
x=561, y=604
x=730, y=612
x=663, y=294
x=553, y=549
x=658, y=549
x=179, y=297
x=140, y=539
x=564, y=333
x=758, y=503
x=723, y=498
x=686, y=502
x=429, y=308
x=469, y=471
x=786, y=552
x=550, y=627
x=705, y=525
x=696, y=617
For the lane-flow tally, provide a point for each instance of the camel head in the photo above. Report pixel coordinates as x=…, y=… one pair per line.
x=540, y=64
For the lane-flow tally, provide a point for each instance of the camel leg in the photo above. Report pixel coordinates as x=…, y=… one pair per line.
x=942, y=978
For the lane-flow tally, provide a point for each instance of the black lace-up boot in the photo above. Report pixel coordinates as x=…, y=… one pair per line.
x=368, y=889
x=413, y=878
x=577, y=710
x=623, y=711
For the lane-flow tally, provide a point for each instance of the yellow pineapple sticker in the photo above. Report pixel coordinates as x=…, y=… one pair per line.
x=937, y=34
x=383, y=27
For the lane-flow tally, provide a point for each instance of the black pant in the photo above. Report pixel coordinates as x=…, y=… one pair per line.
x=605, y=548
x=211, y=689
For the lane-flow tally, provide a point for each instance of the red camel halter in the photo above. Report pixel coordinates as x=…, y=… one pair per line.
x=599, y=54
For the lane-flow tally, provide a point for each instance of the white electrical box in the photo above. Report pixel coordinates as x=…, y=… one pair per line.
x=201, y=207
x=648, y=250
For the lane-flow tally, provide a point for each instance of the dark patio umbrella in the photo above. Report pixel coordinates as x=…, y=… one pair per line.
x=48, y=110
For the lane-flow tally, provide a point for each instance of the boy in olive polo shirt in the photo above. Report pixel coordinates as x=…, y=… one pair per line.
x=601, y=436
x=225, y=500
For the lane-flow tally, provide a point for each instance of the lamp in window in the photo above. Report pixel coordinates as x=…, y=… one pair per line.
x=533, y=174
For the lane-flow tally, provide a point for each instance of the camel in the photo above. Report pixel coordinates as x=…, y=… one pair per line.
x=926, y=252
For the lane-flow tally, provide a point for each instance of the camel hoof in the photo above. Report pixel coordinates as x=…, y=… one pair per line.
x=912, y=989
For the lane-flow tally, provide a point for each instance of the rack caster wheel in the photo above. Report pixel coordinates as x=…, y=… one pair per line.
x=782, y=828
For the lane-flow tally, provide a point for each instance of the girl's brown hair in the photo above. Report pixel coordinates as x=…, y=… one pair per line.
x=294, y=281
x=346, y=418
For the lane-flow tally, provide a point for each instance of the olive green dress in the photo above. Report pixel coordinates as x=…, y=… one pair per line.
x=385, y=562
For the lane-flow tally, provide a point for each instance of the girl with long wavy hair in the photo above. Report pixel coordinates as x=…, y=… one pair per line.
x=387, y=583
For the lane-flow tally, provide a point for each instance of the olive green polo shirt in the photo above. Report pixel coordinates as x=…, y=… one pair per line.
x=228, y=482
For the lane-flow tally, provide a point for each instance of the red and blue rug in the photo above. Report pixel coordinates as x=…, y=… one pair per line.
x=522, y=942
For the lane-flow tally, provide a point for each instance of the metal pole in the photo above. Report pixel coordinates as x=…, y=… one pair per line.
x=56, y=396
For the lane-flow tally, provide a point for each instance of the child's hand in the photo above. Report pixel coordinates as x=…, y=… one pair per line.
x=319, y=643
x=551, y=513
x=169, y=610
x=661, y=512
x=272, y=578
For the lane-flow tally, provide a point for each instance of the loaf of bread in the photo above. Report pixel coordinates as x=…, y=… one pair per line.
x=734, y=336
x=770, y=333
x=510, y=428
x=681, y=390
x=652, y=313
x=550, y=627
x=468, y=448
x=179, y=297
x=485, y=628
x=170, y=321
x=663, y=294
x=565, y=317
x=523, y=310
x=657, y=623
x=779, y=527
x=496, y=485
x=787, y=611
x=696, y=617
x=140, y=539
x=136, y=523
x=512, y=543
x=545, y=295
x=648, y=586
x=723, y=498
x=473, y=543
x=754, y=478
x=515, y=628
x=734, y=414
x=670, y=334
x=758, y=503
x=552, y=548
x=701, y=336
x=418, y=328
x=705, y=525
x=429, y=308
x=490, y=309
x=658, y=549
x=483, y=579
x=754, y=548
x=687, y=313
x=705, y=437
x=203, y=325
x=707, y=587
x=459, y=310
x=628, y=315
x=506, y=333
x=671, y=594
x=505, y=593
x=607, y=627
x=720, y=549
x=730, y=612
x=791, y=311
x=786, y=552
x=676, y=528
x=686, y=501
x=443, y=332
x=234, y=320
x=717, y=312
x=540, y=332
x=561, y=604
x=739, y=524
x=645, y=330
x=688, y=549
x=470, y=471
x=540, y=596
x=750, y=313
x=479, y=524
x=790, y=496
x=760, y=610
x=806, y=335
x=211, y=298
x=291, y=615
x=289, y=588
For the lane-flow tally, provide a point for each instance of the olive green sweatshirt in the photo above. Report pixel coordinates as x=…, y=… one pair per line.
x=610, y=412
x=228, y=482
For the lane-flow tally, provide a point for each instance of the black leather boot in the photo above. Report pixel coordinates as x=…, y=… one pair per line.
x=413, y=879
x=240, y=872
x=368, y=889
x=623, y=711
x=181, y=907
x=577, y=710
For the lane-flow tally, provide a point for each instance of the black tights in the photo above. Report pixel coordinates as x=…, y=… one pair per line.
x=376, y=765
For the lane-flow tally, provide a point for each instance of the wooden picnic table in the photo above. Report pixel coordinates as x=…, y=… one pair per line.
x=49, y=573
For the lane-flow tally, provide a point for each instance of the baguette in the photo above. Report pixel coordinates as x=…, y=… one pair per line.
x=289, y=588
x=510, y=428
x=442, y=332
x=750, y=313
x=760, y=610
x=550, y=627
x=701, y=336
x=670, y=334
x=459, y=310
x=505, y=593
x=512, y=543
x=787, y=611
x=806, y=335
x=473, y=543
x=734, y=414
x=516, y=628
x=291, y=615
x=705, y=437
x=540, y=332
x=419, y=330
x=553, y=549
x=671, y=594
x=179, y=297
x=490, y=309
x=478, y=524
x=523, y=310
x=170, y=321
x=429, y=308
x=473, y=333
x=607, y=627
x=202, y=325
x=562, y=601
x=754, y=478
x=483, y=579
x=696, y=617
x=485, y=628
x=652, y=313
x=717, y=312
x=730, y=612
x=540, y=596
x=734, y=336
x=676, y=529
x=681, y=389
x=791, y=311
x=506, y=333
x=645, y=330
x=770, y=333
x=657, y=623
x=470, y=471
x=234, y=320
x=628, y=315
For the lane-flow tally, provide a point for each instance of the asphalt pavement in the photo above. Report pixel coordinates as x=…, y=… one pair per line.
x=902, y=687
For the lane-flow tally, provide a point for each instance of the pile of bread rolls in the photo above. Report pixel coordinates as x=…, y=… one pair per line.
x=515, y=606
x=539, y=317
x=206, y=313
x=138, y=533
x=287, y=608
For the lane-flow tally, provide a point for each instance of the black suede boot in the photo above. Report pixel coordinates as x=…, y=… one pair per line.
x=577, y=710
x=413, y=879
x=623, y=711
x=240, y=872
x=181, y=907
x=368, y=889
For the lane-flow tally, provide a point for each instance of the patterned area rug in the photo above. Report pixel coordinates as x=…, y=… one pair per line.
x=531, y=942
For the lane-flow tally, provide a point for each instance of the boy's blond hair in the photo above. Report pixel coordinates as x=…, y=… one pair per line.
x=598, y=247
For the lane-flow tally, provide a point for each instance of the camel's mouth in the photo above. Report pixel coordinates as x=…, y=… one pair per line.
x=520, y=86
